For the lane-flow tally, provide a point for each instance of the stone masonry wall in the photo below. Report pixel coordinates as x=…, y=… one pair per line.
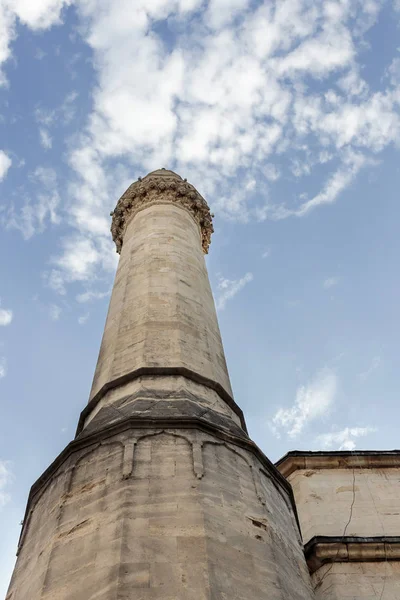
x=161, y=515
x=358, y=581
x=325, y=497
x=351, y=502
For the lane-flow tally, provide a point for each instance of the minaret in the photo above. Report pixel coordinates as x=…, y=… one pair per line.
x=161, y=495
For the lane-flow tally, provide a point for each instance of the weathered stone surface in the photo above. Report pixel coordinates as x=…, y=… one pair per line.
x=163, y=387
x=358, y=581
x=161, y=496
x=352, y=500
x=161, y=311
x=174, y=515
x=329, y=494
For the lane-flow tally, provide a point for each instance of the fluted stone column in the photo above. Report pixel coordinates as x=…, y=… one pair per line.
x=162, y=495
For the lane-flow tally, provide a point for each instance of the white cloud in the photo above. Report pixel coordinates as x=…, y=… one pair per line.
x=55, y=281
x=81, y=260
x=3, y=367
x=222, y=12
x=330, y=282
x=266, y=253
x=300, y=168
x=228, y=288
x=6, y=316
x=40, y=54
x=39, y=14
x=352, y=83
x=223, y=103
x=83, y=318
x=226, y=91
x=393, y=71
x=36, y=14
x=7, y=33
x=344, y=439
x=233, y=97
x=332, y=49
x=45, y=138
x=336, y=184
x=5, y=164
x=56, y=117
x=312, y=402
x=90, y=295
x=54, y=312
x=371, y=124
x=34, y=216
x=271, y=172
x=5, y=480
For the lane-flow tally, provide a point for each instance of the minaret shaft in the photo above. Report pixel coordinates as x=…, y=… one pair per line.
x=161, y=335
x=161, y=312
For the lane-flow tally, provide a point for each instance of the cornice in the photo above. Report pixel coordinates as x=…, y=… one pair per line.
x=321, y=550
x=161, y=187
x=361, y=459
x=161, y=372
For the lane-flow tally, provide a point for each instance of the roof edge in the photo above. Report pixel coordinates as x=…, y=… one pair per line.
x=337, y=459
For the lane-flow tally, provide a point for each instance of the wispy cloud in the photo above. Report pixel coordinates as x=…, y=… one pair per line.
x=336, y=183
x=80, y=261
x=6, y=316
x=5, y=164
x=3, y=367
x=228, y=288
x=52, y=119
x=236, y=99
x=45, y=138
x=312, y=402
x=35, y=214
x=272, y=172
x=5, y=480
x=91, y=295
x=39, y=54
x=83, y=318
x=344, y=439
x=54, y=312
x=270, y=52
x=36, y=15
x=374, y=365
x=54, y=280
x=330, y=282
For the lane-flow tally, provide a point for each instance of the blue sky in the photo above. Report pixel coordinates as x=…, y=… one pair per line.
x=285, y=116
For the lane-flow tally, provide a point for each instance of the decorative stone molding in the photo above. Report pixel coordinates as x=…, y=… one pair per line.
x=129, y=449
x=163, y=372
x=161, y=187
x=340, y=459
x=321, y=550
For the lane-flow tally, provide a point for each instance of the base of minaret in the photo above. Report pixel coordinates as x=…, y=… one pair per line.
x=161, y=509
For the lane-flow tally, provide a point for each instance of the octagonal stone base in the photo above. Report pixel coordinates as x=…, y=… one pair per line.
x=160, y=514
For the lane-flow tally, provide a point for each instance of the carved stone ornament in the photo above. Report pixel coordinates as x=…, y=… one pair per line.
x=161, y=186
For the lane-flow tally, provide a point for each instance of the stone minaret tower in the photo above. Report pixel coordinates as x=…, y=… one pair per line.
x=161, y=495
